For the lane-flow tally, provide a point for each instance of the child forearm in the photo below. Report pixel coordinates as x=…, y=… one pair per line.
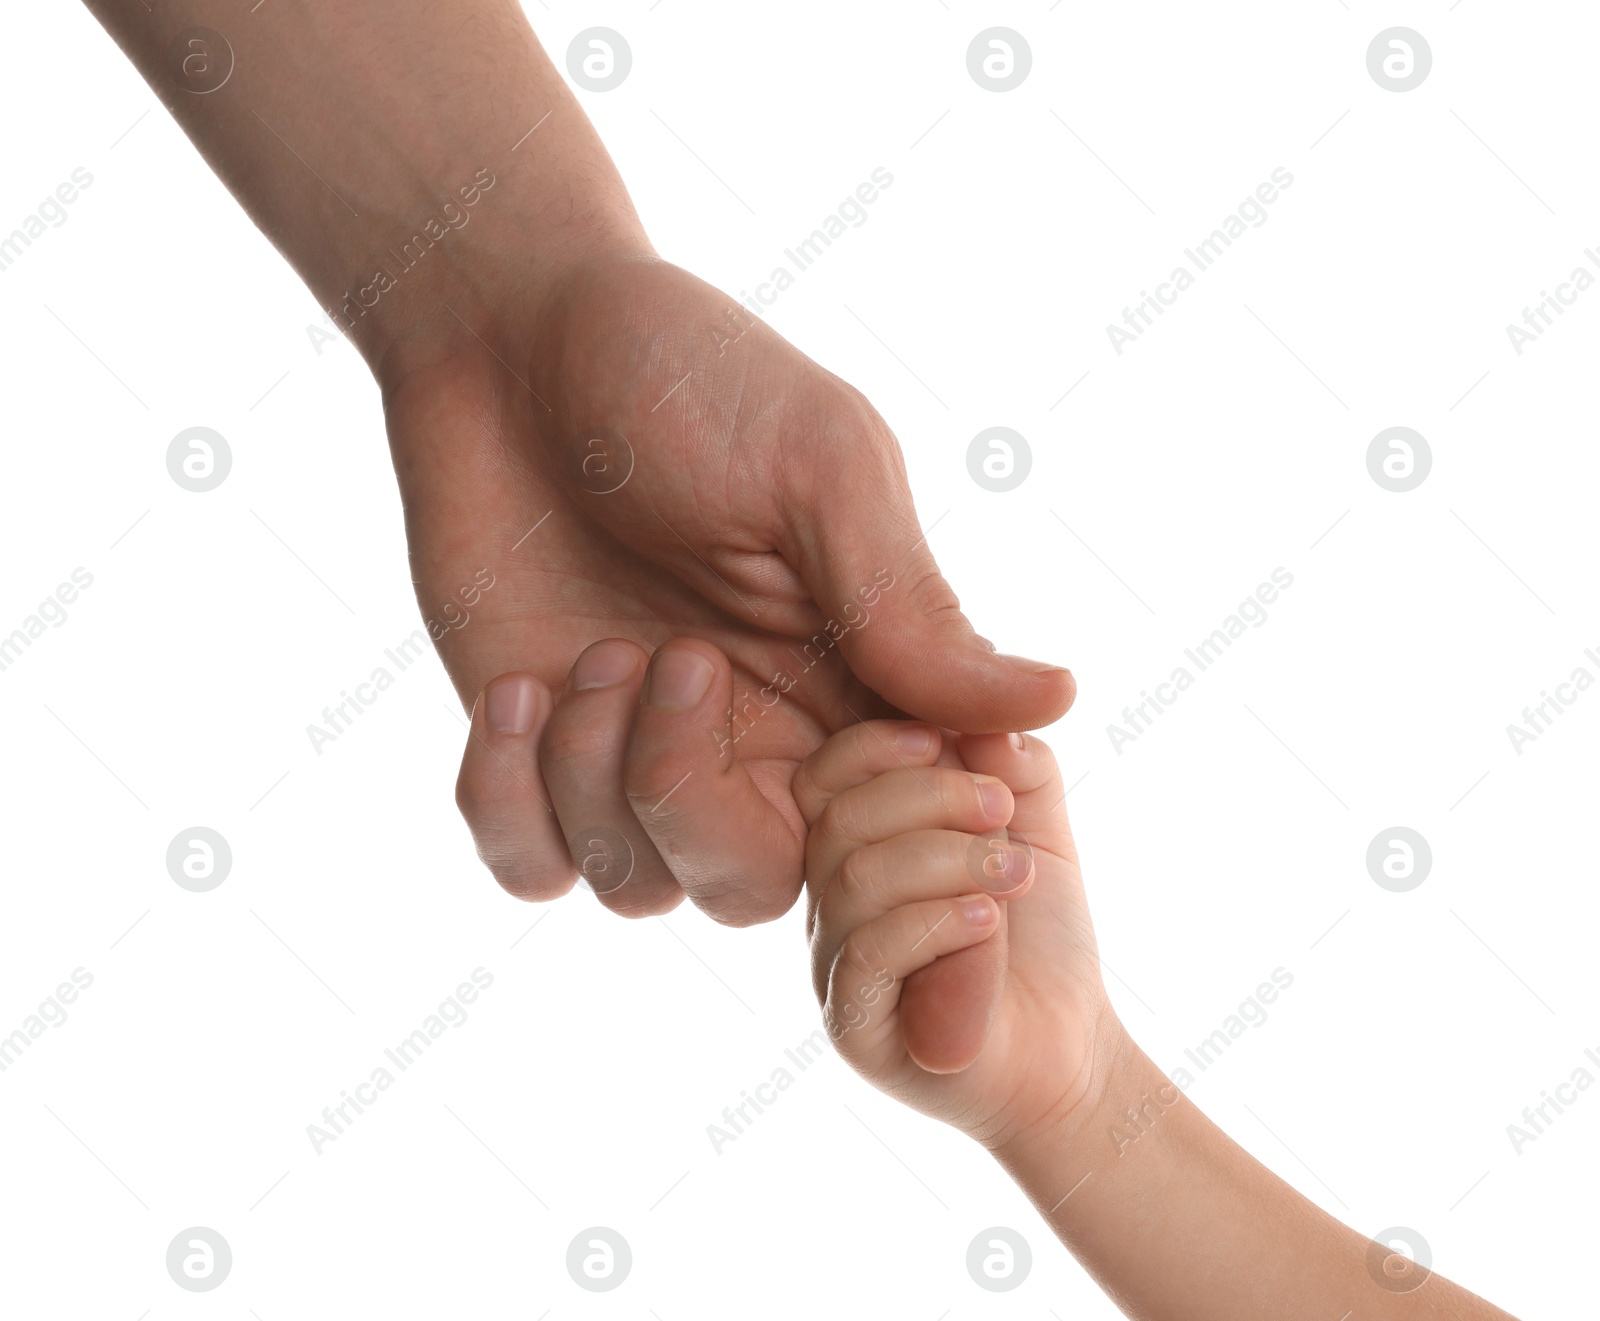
x=1177, y=1222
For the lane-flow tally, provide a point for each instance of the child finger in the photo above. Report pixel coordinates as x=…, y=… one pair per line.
x=947, y=1008
x=899, y=801
x=911, y=868
x=1027, y=767
x=865, y=980
x=857, y=754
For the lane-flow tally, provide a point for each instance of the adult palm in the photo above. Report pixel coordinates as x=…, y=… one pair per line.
x=635, y=458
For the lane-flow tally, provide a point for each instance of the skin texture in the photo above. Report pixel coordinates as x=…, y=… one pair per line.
x=763, y=493
x=1174, y=1220
x=732, y=526
x=764, y=496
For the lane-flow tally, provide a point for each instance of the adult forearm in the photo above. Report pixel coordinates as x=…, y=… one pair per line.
x=1176, y=1220
x=388, y=149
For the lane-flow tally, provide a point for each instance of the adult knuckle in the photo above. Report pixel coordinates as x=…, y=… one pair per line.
x=650, y=774
x=932, y=596
x=569, y=742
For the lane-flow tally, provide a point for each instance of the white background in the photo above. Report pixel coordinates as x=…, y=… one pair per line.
x=1225, y=443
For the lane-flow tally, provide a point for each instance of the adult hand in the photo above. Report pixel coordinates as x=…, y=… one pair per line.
x=684, y=471
x=437, y=185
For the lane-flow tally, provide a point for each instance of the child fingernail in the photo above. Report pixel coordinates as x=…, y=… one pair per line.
x=977, y=910
x=915, y=740
x=994, y=798
x=1018, y=742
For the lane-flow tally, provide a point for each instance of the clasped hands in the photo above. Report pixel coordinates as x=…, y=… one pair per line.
x=706, y=561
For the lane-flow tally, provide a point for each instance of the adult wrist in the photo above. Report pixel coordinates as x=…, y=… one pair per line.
x=495, y=290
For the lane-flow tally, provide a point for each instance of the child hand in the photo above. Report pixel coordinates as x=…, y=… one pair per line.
x=912, y=861
x=907, y=863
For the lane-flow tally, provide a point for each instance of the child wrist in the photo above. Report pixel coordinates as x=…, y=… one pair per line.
x=1085, y=1106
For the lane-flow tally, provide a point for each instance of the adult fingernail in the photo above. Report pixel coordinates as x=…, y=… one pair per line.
x=915, y=740
x=1018, y=742
x=994, y=798
x=602, y=665
x=510, y=704
x=678, y=679
x=1030, y=666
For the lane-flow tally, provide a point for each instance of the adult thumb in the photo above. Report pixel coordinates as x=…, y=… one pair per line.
x=865, y=560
